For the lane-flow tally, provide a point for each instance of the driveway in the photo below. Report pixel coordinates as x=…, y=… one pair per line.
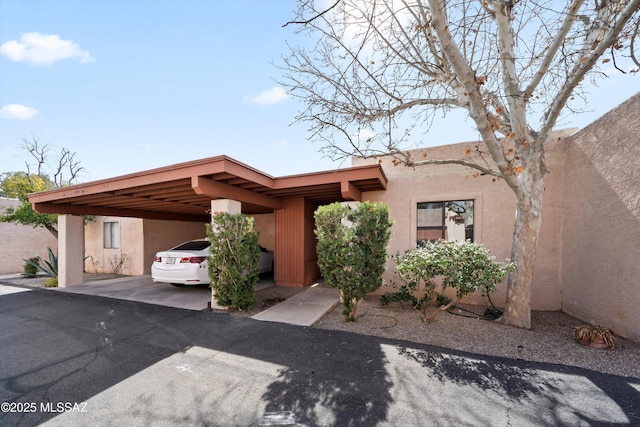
x=71, y=360
x=143, y=289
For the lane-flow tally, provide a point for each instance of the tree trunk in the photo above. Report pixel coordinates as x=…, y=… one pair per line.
x=52, y=230
x=525, y=239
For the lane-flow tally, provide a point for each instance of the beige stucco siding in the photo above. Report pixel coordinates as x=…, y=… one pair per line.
x=601, y=232
x=139, y=240
x=266, y=225
x=494, y=201
x=162, y=235
x=18, y=242
x=128, y=252
x=493, y=218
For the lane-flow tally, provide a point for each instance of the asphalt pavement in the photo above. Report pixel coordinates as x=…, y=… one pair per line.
x=70, y=359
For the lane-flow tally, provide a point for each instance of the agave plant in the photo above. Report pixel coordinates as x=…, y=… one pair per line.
x=595, y=336
x=49, y=268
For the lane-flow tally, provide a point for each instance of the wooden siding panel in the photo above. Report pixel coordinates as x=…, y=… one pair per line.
x=311, y=270
x=289, y=250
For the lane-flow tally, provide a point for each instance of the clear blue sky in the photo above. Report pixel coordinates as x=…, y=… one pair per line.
x=134, y=85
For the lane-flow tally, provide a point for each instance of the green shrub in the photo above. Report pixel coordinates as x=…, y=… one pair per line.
x=234, y=260
x=465, y=266
x=51, y=282
x=30, y=268
x=352, y=249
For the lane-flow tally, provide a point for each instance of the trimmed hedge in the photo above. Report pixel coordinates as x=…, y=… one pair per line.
x=352, y=249
x=234, y=260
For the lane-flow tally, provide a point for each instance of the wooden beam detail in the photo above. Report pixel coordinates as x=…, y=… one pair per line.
x=219, y=190
x=131, y=213
x=350, y=192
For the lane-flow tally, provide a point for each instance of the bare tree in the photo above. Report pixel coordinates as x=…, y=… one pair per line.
x=38, y=152
x=66, y=170
x=513, y=66
x=19, y=184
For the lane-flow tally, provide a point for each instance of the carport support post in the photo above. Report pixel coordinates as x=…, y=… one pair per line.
x=70, y=250
x=231, y=207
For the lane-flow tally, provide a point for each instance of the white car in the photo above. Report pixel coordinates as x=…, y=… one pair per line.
x=186, y=264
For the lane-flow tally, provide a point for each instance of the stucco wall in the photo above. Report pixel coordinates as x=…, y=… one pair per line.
x=105, y=260
x=601, y=234
x=266, y=225
x=162, y=235
x=494, y=212
x=21, y=241
x=141, y=239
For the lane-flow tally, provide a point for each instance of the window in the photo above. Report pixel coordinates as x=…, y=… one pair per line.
x=193, y=245
x=111, y=235
x=445, y=220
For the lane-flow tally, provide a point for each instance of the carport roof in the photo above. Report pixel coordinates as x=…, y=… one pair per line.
x=184, y=191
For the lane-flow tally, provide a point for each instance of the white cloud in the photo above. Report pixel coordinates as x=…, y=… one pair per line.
x=271, y=96
x=17, y=111
x=43, y=49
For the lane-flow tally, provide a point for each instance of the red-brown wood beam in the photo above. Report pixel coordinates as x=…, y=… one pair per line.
x=350, y=192
x=218, y=190
x=131, y=213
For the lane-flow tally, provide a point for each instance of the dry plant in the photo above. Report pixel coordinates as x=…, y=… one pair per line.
x=588, y=334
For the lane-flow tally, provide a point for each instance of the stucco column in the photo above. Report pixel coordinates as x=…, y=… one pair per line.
x=226, y=205
x=70, y=250
x=231, y=207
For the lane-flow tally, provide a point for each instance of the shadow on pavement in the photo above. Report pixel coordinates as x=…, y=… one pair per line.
x=141, y=364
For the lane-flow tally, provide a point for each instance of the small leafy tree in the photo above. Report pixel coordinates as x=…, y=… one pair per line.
x=352, y=249
x=465, y=266
x=234, y=260
x=19, y=185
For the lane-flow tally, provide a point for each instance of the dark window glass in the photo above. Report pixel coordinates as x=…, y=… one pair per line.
x=194, y=245
x=452, y=220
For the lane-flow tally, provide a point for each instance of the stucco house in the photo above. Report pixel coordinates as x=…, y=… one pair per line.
x=587, y=261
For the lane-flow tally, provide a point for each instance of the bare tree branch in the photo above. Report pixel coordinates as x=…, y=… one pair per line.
x=467, y=77
x=584, y=65
x=308, y=21
x=558, y=41
x=38, y=152
x=634, y=37
x=74, y=167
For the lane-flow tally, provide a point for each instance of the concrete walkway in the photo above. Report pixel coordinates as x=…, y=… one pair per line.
x=303, y=309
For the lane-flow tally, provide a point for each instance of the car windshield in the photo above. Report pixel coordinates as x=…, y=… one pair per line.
x=194, y=245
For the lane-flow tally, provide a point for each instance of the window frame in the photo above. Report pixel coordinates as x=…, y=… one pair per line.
x=110, y=233
x=441, y=198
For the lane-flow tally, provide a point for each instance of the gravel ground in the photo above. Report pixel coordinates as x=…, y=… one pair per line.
x=549, y=340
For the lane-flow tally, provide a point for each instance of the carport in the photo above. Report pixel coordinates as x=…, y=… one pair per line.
x=192, y=191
